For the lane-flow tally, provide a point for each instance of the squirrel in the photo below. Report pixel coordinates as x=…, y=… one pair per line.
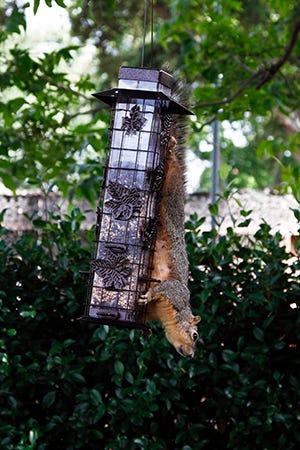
x=168, y=301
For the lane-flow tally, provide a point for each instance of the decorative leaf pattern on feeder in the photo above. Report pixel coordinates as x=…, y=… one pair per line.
x=134, y=122
x=113, y=269
x=124, y=202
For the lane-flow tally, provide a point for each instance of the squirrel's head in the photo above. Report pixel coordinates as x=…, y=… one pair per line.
x=183, y=335
x=170, y=304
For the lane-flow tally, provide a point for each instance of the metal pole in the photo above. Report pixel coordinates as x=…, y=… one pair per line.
x=215, y=165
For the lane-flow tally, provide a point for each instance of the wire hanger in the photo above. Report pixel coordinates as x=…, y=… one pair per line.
x=146, y=8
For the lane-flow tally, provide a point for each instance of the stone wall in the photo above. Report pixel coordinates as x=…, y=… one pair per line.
x=274, y=209
x=29, y=203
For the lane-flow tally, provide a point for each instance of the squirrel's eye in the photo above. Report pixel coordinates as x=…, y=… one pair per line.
x=195, y=336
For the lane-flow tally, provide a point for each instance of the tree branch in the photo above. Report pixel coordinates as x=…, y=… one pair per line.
x=228, y=100
x=68, y=118
x=265, y=74
x=274, y=68
x=208, y=122
x=61, y=87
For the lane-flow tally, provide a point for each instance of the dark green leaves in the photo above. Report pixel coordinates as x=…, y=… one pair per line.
x=36, y=4
x=97, y=387
x=16, y=21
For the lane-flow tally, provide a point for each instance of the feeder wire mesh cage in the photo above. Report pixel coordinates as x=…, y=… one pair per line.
x=142, y=115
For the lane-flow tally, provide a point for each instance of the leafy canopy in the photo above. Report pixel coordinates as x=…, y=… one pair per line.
x=51, y=133
x=239, y=59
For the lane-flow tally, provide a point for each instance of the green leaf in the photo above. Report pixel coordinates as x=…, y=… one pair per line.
x=16, y=21
x=36, y=5
x=150, y=387
x=213, y=209
x=296, y=213
x=258, y=334
x=129, y=377
x=33, y=436
x=16, y=103
x=78, y=377
x=2, y=214
x=29, y=313
x=245, y=213
x=245, y=223
x=119, y=367
x=60, y=3
x=228, y=355
x=224, y=170
x=49, y=399
x=12, y=332
x=13, y=402
x=95, y=396
x=8, y=181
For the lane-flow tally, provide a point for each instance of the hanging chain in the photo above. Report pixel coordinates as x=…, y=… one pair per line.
x=152, y=26
x=145, y=32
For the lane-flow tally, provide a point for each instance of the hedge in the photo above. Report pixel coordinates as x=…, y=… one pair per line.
x=71, y=385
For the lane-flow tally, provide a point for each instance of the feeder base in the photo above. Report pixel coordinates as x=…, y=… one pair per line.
x=120, y=318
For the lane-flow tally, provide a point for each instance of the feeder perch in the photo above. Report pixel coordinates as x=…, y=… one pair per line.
x=142, y=109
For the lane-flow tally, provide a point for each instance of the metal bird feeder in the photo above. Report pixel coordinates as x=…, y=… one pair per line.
x=142, y=109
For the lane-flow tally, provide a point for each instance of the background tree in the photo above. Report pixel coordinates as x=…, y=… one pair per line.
x=240, y=59
x=46, y=139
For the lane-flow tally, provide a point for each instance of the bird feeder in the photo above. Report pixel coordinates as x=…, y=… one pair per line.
x=142, y=109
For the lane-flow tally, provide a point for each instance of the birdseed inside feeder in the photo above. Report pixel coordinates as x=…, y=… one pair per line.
x=142, y=109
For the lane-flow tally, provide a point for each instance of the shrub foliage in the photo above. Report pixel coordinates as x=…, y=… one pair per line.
x=65, y=384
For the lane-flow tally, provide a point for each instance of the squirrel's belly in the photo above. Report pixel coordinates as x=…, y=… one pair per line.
x=161, y=269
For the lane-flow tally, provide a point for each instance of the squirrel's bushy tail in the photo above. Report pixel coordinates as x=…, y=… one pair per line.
x=180, y=122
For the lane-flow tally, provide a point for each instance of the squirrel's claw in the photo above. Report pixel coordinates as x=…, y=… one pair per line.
x=143, y=300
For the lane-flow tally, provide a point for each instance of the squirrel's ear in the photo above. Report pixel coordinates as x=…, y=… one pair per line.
x=196, y=319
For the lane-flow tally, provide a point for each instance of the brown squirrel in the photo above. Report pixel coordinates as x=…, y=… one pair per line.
x=169, y=300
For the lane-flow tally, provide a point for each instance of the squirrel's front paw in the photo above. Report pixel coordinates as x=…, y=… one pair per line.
x=144, y=299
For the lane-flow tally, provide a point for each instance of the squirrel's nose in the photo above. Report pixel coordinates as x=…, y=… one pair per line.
x=185, y=351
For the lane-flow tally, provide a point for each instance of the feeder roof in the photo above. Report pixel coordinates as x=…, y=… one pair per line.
x=168, y=104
